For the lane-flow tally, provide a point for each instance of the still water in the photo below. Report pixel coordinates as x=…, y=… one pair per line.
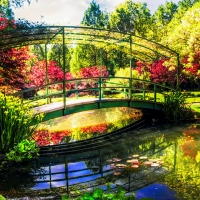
x=161, y=161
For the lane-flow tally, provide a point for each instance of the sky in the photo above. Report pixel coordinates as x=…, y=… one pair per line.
x=70, y=12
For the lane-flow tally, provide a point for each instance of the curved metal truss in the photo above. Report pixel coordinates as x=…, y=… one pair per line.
x=137, y=47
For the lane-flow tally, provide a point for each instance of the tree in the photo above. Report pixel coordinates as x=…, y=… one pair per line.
x=161, y=18
x=5, y=9
x=161, y=72
x=83, y=56
x=131, y=17
x=56, y=54
x=39, y=51
x=184, y=38
x=89, y=55
x=13, y=62
x=38, y=73
x=191, y=69
x=183, y=7
x=164, y=14
x=13, y=67
x=94, y=17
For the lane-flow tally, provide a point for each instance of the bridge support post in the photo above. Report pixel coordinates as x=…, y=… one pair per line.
x=130, y=80
x=46, y=78
x=64, y=69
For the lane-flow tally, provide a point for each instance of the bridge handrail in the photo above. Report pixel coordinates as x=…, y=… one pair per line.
x=99, y=87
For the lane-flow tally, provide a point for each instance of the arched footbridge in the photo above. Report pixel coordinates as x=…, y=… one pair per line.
x=82, y=94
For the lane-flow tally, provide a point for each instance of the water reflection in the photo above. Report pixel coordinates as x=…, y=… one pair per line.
x=161, y=158
x=18, y=177
x=85, y=125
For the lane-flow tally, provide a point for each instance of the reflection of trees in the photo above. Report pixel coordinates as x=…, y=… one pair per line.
x=85, y=125
x=16, y=178
x=122, y=116
x=121, y=171
x=186, y=178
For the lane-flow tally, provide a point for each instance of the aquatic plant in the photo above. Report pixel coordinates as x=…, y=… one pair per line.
x=175, y=107
x=100, y=194
x=16, y=122
x=25, y=150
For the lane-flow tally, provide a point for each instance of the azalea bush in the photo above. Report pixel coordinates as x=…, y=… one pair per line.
x=91, y=71
x=16, y=122
x=37, y=75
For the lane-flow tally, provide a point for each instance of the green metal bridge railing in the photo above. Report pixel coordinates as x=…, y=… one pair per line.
x=99, y=88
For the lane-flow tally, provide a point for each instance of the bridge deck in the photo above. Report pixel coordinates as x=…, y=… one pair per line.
x=57, y=109
x=69, y=103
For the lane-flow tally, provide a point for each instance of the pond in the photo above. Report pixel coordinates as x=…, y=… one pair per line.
x=161, y=161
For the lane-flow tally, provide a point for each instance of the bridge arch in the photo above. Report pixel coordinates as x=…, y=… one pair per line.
x=135, y=46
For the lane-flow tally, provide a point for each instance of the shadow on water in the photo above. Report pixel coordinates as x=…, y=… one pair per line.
x=151, y=161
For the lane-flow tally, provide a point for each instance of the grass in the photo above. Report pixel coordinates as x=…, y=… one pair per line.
x=193, y=97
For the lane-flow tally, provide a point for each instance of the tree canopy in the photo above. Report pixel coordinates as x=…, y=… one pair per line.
x=131, y=17
x=94, y=17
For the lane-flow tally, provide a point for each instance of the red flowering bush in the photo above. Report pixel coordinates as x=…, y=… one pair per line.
x=87, y=72
x=93, y=71
x=163, y=74
x=6, y=24
x=13, y=67
x=38, y=74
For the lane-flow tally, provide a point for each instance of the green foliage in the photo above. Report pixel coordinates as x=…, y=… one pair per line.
x=99, y=194
x=94, y=17
x=161, y=18
x=16, y=121
x=6, y=10
x=83, y=56
x=131, y=17
x=25, y=150
x=56, y=54
x=126, y=73
x=183, y=36
x=175, y=106
x=2, y=198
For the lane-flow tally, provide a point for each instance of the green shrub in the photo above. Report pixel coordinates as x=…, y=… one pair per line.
x=99, y=194
x=2, y=198
x=16, y=122
x=25, y=150
x=175, y=107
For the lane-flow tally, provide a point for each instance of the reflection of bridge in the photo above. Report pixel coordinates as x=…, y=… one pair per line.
x=100, y=92
x=95, y=168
